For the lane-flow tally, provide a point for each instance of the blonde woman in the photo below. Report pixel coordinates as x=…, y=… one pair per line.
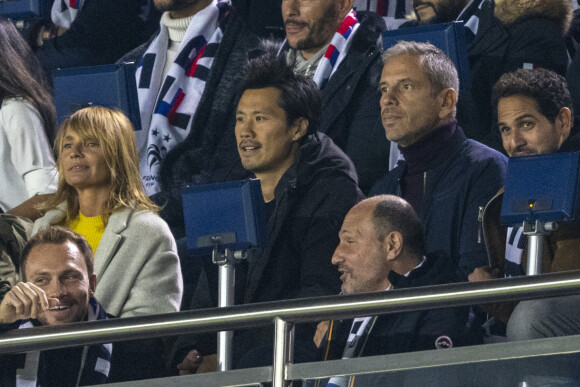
x=100, y=196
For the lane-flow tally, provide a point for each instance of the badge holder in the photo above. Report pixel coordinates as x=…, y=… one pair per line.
x=540, y=192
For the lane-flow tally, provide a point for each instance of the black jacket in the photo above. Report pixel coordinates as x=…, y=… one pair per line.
x=87, y=365
x=311, y=201
x=408, y=331
x=351, y=114
x=573, y=81
x=210, y=148
x=130, y=360
x=464, y=177
x=103, y=31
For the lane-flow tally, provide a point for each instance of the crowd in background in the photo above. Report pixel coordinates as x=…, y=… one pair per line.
x=303, y=96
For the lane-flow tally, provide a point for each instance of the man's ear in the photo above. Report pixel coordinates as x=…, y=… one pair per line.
x=344, y=7
x=299, y=128
x=92, y=283
x=393, y=244
x=448, y=101
x=563, y=123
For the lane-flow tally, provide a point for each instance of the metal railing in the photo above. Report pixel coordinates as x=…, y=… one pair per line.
x=285, y=313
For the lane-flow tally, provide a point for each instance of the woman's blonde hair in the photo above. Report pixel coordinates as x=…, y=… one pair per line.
x=116, y=137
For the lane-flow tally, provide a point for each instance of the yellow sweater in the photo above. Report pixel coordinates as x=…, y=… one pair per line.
x=91, y=228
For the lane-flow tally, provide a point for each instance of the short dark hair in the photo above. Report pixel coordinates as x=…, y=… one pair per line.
x=394, y=214
x=57, y=235
x=299, y=95
x=547, y=88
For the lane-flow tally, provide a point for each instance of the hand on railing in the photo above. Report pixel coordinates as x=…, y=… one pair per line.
x=195, y=363
x=483, y=273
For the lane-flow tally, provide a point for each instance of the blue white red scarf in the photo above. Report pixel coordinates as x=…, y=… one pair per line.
x=64, y=12
x=94, y=365
x=167, y=107
x=337, y=50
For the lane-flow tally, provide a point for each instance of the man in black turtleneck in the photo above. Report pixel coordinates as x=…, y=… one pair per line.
x=445, y=176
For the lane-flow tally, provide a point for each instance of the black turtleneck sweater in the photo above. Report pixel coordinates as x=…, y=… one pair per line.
x=419, y=157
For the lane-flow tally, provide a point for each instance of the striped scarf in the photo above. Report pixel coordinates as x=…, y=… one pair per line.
x=470, y=18
x=94, y=364
x=64, y=12
x=167, y=107
x=515, y=243
x=359, y=333
x=337, y=50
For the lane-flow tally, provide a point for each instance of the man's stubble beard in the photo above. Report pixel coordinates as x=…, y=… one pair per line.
x=175, y=5
x=318, y=29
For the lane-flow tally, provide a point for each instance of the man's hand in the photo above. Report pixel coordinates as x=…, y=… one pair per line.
x=24, y=301
x=189, y=365
x=483, y=273
x=43, y=34
x=194, y=363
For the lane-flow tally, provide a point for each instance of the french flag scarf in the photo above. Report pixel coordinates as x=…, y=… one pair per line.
x=64, y=12
x=337, y=50
x=94, y=364
x=168, y=105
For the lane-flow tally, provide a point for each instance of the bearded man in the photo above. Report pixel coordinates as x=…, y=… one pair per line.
x=338, y=48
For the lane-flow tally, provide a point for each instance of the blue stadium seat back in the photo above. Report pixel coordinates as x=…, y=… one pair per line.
x=448, y=37
x=112, y=86
x=20, y=9
x=232, y=210
x=542, y=187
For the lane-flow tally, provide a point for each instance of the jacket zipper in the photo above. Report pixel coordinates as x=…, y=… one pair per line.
x=480, y=224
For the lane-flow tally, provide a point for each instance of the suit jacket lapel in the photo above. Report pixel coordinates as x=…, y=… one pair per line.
x=111, y=240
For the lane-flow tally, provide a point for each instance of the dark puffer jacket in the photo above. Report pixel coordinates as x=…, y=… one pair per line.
x=311, y=200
